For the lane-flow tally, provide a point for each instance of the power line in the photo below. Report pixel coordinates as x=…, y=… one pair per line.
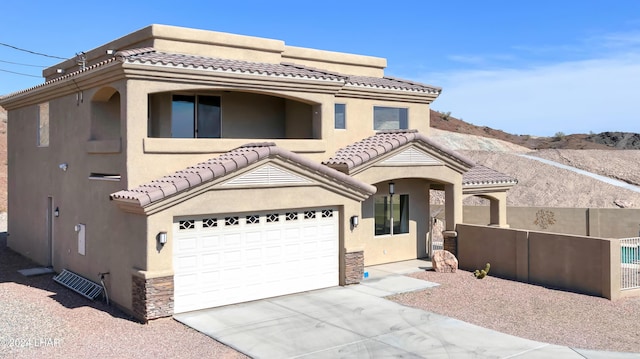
x=20, y=73
x=17, y=63
x=32, y=52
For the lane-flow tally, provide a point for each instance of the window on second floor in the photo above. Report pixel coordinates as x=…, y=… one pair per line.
x=43, y=125
x=340, y=116
x=390, y=118
x=388, y=209
x=195, y=116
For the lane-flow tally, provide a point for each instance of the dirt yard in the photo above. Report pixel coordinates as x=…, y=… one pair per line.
x=41, y=319
x=530, y=311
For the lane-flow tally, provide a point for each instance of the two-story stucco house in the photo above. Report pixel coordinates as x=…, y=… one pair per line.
x=201, y=169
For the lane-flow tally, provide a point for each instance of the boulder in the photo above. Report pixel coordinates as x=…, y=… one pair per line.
x=444, y=262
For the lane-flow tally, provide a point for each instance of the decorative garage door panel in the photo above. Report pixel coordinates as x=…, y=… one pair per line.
x=226, y=259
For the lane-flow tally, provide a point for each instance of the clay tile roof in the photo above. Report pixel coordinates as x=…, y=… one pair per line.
x=481, y=175
x=392, y=83
x=383, y=142
x=150, y=56
x=224, y=165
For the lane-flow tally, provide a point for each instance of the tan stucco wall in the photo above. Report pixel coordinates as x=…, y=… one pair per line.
x=113, y=238
x=412, y=180
x=504, y=249
x=597, y=222
x=150, y=158
x=397, y=247
x=231, y=46
x=587, y=265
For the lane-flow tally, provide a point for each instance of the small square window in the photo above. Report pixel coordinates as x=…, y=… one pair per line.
x=231, y=221
x=291, y=216
x=340, y=116
x=309, y=214
x=273, y=217
x=327, y=213
x=187, y=224
x=209, y=222
x=253, y=219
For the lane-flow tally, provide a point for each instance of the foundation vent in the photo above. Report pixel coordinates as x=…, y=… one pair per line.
x=78, y=284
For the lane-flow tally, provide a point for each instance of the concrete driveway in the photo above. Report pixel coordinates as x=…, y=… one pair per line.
x=356, y=322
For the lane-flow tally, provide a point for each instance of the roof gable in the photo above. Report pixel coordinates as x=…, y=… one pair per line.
x=379, y=150
x=266, y=175
x=215, y=170
x=411, y=156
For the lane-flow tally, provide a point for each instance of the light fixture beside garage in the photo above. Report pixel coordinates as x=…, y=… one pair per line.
x=392, y=188
x=162, y=238
x=354, y=221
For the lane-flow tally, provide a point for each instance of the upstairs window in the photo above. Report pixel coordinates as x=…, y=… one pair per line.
x=390, y=118
x=43, y=125
x=388, y=209
x=340, y=122
x=195, y=116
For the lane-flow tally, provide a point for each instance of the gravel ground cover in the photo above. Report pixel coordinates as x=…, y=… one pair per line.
x=530, y=311
x=41, y=319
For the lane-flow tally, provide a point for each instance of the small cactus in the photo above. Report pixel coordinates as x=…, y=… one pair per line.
x=482, y=273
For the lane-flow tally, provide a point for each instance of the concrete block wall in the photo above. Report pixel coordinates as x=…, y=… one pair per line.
x=588, y=265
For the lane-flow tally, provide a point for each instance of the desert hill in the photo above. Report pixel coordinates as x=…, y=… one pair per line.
x=601, y=141
x=543, y=185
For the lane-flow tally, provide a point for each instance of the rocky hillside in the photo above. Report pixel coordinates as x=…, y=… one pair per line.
x=618, y=140
x=601, y=141
x=540, y=184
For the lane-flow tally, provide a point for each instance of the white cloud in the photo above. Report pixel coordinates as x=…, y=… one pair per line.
x=571, y=97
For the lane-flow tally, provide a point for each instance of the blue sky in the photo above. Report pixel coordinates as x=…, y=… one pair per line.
x=523, y=67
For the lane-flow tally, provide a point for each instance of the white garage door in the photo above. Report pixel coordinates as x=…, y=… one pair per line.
x=234, y=258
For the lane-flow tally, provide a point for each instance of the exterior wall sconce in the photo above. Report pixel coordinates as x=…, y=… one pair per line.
x=56, y=212
x=392, y=188
x=162, y=238
x=354, y=221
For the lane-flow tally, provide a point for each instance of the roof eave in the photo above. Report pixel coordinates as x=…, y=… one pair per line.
x=378, y=93
x=65, y=85
x=480, y=188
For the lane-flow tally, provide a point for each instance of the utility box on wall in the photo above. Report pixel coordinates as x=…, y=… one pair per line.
x=81, y=230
